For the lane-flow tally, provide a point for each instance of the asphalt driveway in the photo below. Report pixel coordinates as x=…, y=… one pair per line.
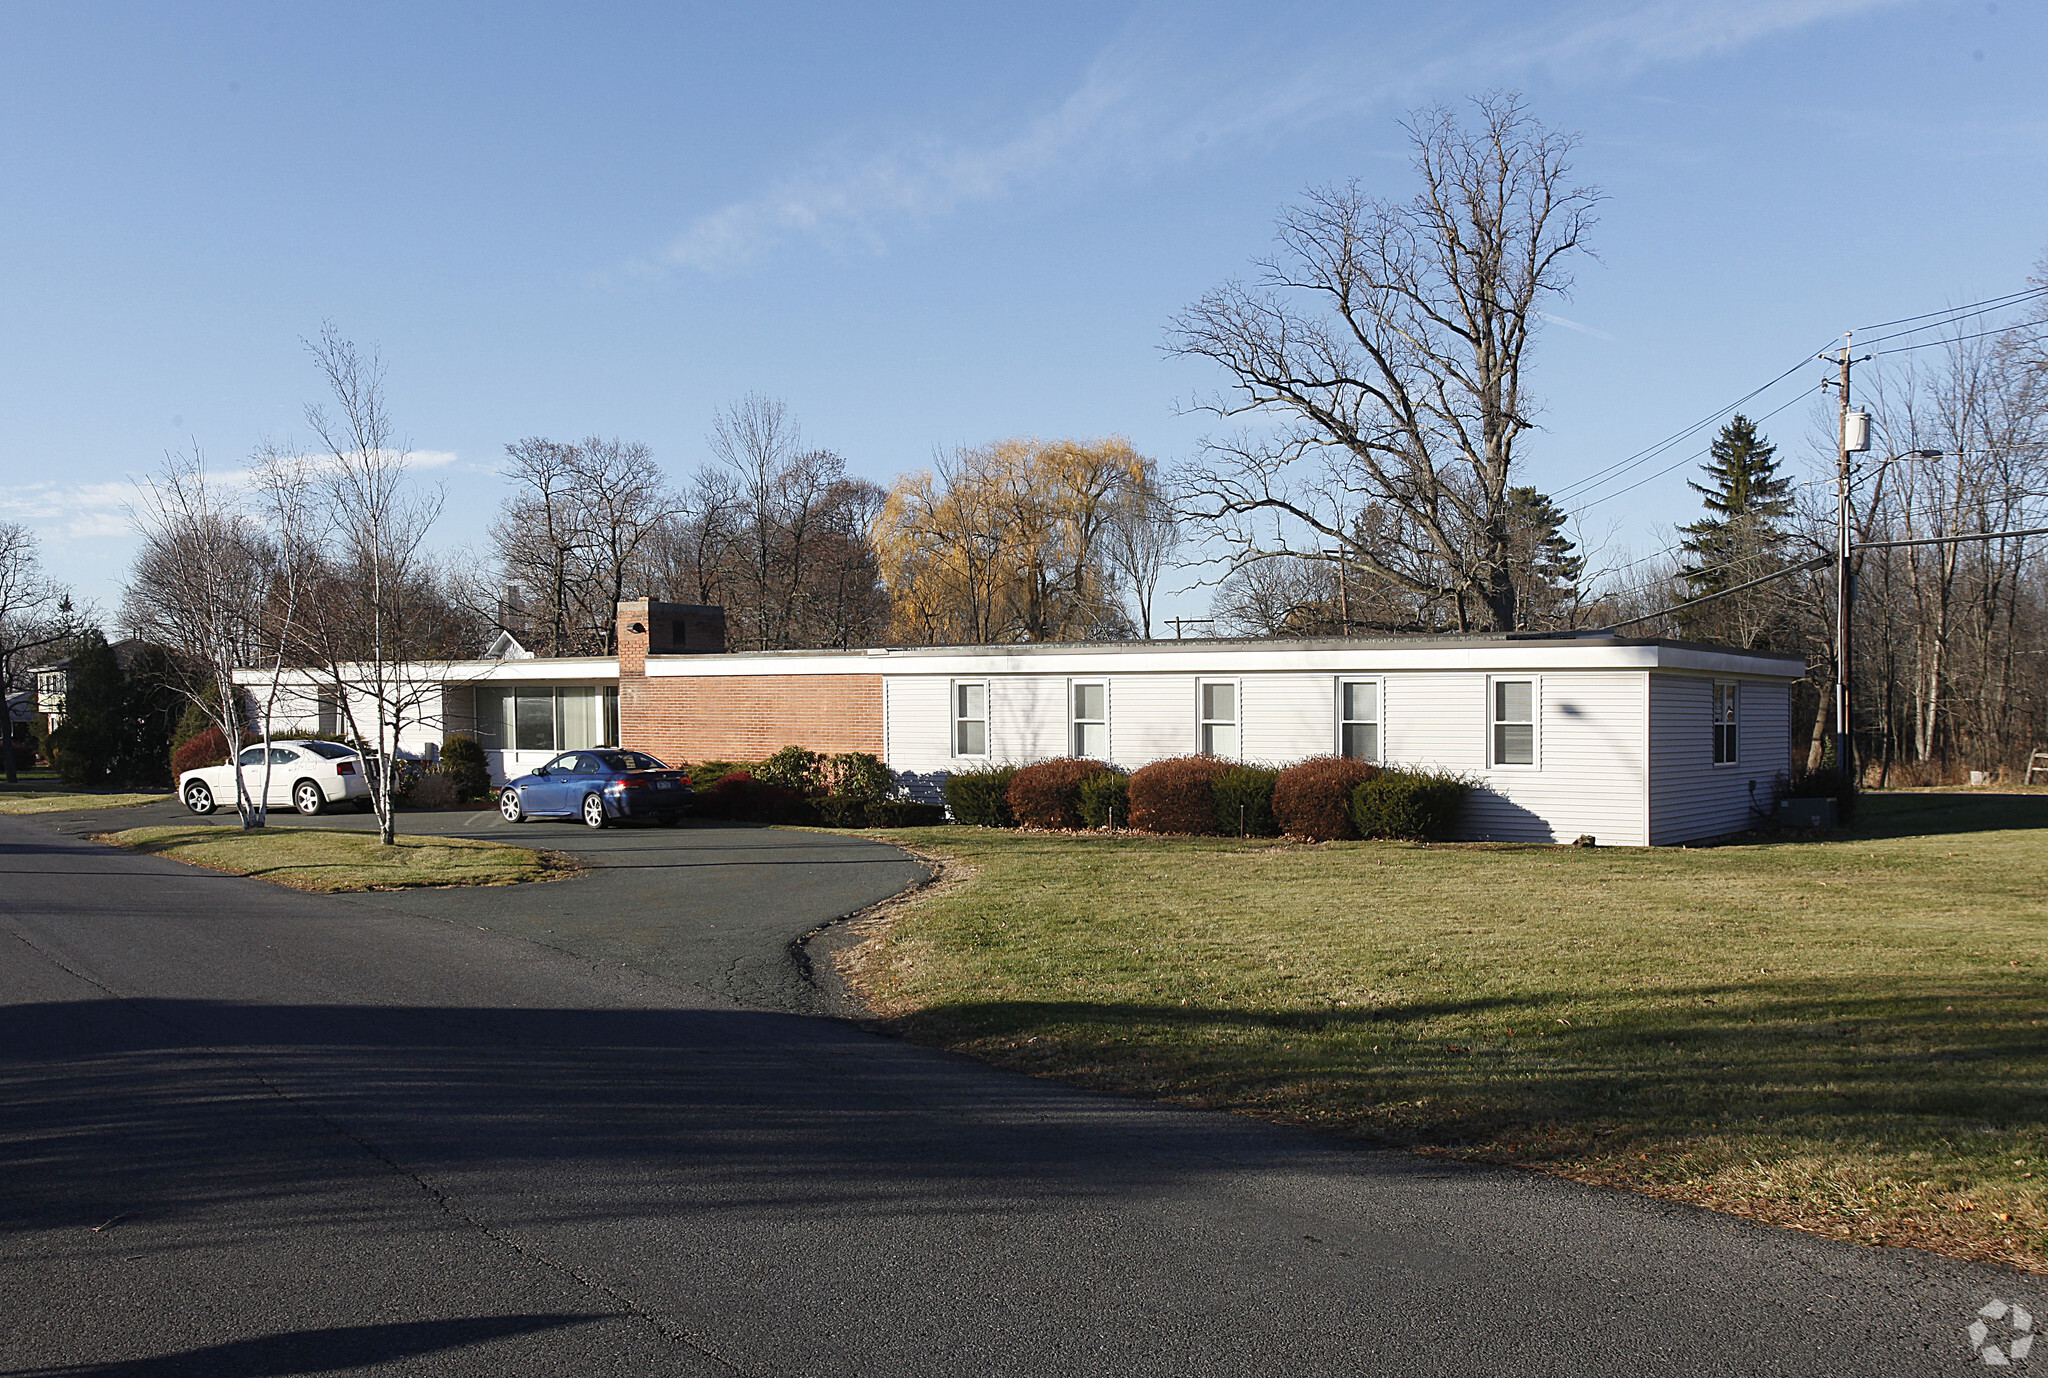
x=248, y=1131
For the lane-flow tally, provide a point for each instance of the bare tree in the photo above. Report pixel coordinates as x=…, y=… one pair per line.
x=1388, y=340
x=581, y=529
x=536, y=533
x=201, y=586
x=382, y=623
x=35, y=614
x=1143, y=536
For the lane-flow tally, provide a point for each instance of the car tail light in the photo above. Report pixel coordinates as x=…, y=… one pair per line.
x=344, y=767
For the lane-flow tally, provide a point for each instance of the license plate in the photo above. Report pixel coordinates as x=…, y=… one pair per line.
x=664, y=784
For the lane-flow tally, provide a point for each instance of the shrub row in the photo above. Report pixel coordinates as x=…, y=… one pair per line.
x=1318, y=800
x=798, y=785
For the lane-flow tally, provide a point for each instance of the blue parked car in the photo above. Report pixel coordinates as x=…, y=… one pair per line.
x=598, y=786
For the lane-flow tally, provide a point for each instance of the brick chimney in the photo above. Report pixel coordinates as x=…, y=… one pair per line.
x=634, y=621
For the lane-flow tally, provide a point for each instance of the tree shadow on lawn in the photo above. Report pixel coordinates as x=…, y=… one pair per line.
x=1805, y=1057
x=1889, y=815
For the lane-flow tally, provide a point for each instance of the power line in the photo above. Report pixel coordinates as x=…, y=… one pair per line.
x=1644, y=455
x=1669, y=468
x=1949, y=315
x=1989, y=303
x=1958, y=339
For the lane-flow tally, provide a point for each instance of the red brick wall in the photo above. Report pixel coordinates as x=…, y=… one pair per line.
x=692, y=718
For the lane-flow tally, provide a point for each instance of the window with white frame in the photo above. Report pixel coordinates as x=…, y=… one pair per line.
x=1091, y=720
x=970, y=718
x=1514, y=722
x=1218, y=707
x=1727, y=723
x=1358, y=719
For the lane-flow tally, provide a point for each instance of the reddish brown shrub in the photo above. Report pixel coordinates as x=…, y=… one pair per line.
x=1048, y=794
x=208, y=748
x=741, y=797
x=1177, y=795
x=1312, y=799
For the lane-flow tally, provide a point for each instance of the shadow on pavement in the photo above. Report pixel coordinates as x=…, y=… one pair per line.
x=313, y=1351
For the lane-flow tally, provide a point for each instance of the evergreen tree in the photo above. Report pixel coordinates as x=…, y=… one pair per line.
x=1740, y=538
x=87, y=747
x=152, y=707
x=1546, y=566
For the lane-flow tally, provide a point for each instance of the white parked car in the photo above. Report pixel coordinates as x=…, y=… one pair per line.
x=307, y=776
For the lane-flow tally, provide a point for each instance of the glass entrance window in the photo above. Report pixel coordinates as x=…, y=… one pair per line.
x=581, y=724
x=1219, y=719
x=1091, y=721
x=533, y=719
x=1358, y=720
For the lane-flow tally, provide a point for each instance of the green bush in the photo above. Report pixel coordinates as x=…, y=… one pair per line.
x=859, y=775
x=708, y=773
x=467, y=768
x=1312, y=798
x=1244, y=801
x=980, y=798
x=841, y=811
x=1104, y=800
x=1409, y=804
x=1047, y=794
x=904, y=813
x=794, y=768
x=1177, y=795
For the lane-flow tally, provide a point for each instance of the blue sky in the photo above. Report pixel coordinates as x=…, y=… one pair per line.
x=919, y=225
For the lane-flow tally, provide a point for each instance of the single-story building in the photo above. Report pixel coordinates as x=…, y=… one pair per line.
x=1631, y=740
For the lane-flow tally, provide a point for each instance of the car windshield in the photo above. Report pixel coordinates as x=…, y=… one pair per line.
x=333, y=751
x=630, y=760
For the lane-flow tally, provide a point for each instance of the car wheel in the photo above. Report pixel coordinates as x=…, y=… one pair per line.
x=198, y=797
x=307, y=798
x=509, y=806
x=593, y=811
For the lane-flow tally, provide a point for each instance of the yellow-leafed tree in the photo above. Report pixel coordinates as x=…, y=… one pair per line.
x=1012, y=542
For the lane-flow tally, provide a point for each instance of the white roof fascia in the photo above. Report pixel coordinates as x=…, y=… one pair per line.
x=1138, y=658
x=1496, y=657
x=570, y=669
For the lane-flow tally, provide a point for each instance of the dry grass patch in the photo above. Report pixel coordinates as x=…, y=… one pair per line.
x=1849, y=1037
x=332, y=859
x=66, y=801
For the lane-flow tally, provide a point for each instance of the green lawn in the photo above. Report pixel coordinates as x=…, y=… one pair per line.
x=63, y=800
x=328, y=859
x=1847, y=1036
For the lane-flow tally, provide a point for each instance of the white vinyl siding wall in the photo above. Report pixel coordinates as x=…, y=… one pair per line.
x=1592, y=777
x=1693, y=798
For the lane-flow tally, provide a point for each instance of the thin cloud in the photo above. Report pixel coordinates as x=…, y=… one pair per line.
x=1575, y=325
x=1135, y=108
x=90, y=511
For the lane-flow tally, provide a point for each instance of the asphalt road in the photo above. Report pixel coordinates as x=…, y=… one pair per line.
x=245, y=1131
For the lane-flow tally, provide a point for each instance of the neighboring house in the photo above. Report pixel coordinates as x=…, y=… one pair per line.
x=1634, y=741
x=53, y=679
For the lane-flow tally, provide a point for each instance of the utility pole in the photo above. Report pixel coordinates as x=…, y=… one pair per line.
x=1845, y=586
